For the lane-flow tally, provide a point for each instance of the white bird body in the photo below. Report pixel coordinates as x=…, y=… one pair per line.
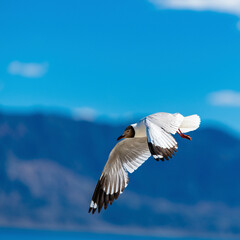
x=150, y=136
x=160, y=118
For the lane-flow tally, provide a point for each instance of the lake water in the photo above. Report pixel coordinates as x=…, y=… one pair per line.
x=25, y=234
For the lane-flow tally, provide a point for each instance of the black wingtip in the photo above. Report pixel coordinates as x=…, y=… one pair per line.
x=100, y=198
x=166, y=153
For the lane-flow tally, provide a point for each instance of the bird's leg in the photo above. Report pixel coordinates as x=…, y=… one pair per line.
x=184, y=135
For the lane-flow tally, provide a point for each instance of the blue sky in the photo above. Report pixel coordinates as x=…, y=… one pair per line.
x=116, y=59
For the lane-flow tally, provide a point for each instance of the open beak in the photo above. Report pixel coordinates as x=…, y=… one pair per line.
x=122, y=136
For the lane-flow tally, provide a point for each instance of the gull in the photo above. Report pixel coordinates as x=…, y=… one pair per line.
x=152, y=135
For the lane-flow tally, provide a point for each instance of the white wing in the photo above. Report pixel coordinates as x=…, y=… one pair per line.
x=172, y=122
x=167, y=121
x=127, y=155
x=160, y=141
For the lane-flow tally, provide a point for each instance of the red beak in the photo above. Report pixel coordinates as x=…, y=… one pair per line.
x=120, y=137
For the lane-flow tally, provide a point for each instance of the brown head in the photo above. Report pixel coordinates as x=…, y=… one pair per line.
x=128, y=133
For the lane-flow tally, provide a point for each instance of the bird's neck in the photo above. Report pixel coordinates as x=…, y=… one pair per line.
x=140, y=129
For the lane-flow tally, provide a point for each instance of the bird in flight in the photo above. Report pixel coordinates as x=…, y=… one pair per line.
x=152, y=135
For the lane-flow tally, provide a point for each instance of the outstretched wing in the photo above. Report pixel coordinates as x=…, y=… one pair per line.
x=159, y=127
x=127, y=155
x=167, y=121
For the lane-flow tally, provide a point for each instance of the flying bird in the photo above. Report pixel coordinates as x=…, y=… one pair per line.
x=152, y=135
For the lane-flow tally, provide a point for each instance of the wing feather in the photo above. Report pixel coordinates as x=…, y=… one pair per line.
x=161, y=143
x=167, y=121
x=126, y=156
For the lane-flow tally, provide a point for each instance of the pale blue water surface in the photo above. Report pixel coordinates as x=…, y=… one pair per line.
x=27, y=234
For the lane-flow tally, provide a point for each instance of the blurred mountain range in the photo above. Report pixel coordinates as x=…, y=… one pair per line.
x=49, y=166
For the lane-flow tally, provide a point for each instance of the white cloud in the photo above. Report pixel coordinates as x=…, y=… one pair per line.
x=30, y=70
x=84, y=113
x=225, y=6
x=225, y=98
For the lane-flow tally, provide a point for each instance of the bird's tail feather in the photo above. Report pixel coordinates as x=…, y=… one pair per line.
x=190, y=123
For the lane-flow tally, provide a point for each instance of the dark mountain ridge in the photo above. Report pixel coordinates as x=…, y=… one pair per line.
x=50, y=164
